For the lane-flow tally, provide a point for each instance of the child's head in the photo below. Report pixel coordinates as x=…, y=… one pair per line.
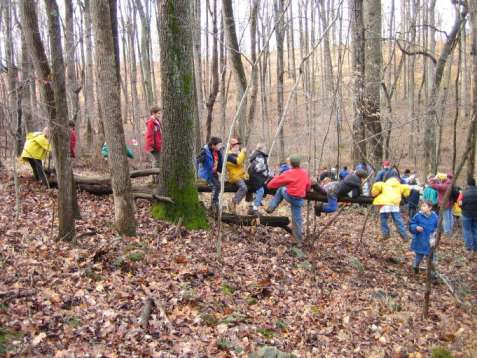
x=426, y=207
x=215, y=143
x=294, y=161
x=154, y=110
x=71, y=124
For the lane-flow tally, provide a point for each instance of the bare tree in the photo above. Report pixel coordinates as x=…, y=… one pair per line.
x=72, y=84
x=279, y=33
x=53, y=95
x=106, y=62
x=214, y=71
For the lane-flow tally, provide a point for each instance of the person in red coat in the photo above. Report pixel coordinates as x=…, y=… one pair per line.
x=153, y=137
x=292, y=186
x=72, y=139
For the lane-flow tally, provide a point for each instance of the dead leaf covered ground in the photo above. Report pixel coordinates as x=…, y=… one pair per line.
x=332, y=298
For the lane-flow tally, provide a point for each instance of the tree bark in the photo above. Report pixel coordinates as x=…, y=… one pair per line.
x=279, y=32
x=473, y=52
x=53, y=89
x=107, y=66
x=358, y=63
x=177, y=175
x=373, y=76
x=72, y=83
x=237, y=65
x=214, y=70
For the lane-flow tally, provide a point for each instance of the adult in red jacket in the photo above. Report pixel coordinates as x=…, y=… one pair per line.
x=72, y=139
x=292, y=186
x=153, y=137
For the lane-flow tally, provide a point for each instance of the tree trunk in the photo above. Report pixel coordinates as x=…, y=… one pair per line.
x=177, y=177
x=253, y=57
x=373, y=76
x=89, y=104
x=279, y=32
x=56, y=104
x=237, y=65
x=27, y=78
x=214, y=70
x=431, y=120
x=359, y=144
x=72, y=83
x=107, y=66
x=473, y=51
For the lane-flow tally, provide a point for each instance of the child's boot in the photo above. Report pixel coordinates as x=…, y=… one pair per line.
x=416, y=270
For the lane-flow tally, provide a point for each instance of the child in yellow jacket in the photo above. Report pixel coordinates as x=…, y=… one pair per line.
x=387, y=195
x=236, y=172
x=36, y=150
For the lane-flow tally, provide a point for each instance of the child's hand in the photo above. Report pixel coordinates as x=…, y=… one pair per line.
x=419, y=229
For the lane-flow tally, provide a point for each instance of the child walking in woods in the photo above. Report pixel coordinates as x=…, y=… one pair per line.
x=292, y=185
x=387, y=195
x=423, y=227
x=153, y=136
x=468, y=202
x=236, y=172
x=258, y=173
x=209, y=165
x=36, y=150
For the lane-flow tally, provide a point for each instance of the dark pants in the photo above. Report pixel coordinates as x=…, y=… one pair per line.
x=214, y=183
x=38, y=171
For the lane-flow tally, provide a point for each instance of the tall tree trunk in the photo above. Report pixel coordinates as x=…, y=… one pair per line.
x=89, y=104
x=107, y=65
x=146, y=58
x=359, y=134
x=253, y=57
x=473, y=51
x=431, y=120
x=56, y=104
x=72, y=83
x=177, y=177
x=237, y=65
x=214, y=71
x=373, y=77
x=27, y=78
x=197, y=48
x=279, y=32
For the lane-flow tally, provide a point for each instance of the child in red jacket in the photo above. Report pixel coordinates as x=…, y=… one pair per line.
x=292, y=186
x=153, y=137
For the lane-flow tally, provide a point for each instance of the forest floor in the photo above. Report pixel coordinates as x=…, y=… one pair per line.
x=334, y=297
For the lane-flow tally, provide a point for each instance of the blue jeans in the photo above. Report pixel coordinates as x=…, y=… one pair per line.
x=259, y=197
x=331, y=205
x=214, y=183
x=296, y=204
x=469, y=227
x=447, y=221
x=397, y=221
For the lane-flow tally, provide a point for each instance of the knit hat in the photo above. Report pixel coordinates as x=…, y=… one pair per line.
x=294, y=160
x=386, y=163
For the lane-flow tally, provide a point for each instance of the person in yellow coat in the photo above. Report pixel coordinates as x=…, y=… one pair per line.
x=236, y=172
x=36, y=150
x=387, y=195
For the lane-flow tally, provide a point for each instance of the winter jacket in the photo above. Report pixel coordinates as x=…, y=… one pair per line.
x=206, y=163
x=413, y=199
x=283, y=168
x=236, y=167
x=73, y=143
x=36, y=146
x=430, y=194
x=386, y=173
x=441, y=190
x=469, y=202
x=105, y=151
x=351, y=183
x=389, y=192
x=343, y=173
x=296, y=180
x=153, y=136
x=258, y=171
x=421, y=240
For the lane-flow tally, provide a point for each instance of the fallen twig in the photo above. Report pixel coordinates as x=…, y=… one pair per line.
x=10, y=295
x=146, y=312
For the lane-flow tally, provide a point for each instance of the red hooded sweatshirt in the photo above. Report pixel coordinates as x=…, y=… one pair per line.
x=153, y=137
x=296, y=180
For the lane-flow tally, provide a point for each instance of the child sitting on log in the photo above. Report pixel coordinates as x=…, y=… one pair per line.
x=292, y=186
x=236, y=172
x=351, y=184
x=423, y=225
x=258, y=173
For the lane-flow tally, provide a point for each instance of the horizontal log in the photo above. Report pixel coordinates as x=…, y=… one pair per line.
x=251, y=220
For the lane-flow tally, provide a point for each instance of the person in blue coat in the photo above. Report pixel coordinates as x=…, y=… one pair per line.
x=423, y=225
x=343, y=173
x=209, y=165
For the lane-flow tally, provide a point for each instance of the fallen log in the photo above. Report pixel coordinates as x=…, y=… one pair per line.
x=251, y=220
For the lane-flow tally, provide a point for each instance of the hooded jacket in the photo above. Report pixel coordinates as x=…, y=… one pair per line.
x=206, y=163
x=421, y=240
x=441, y=190
x=236, y=167
x=153, y=136
x=36, y=146
x=258, y=171
x=389, y=192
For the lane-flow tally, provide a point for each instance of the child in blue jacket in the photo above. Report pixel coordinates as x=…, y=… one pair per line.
x=423, y=225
